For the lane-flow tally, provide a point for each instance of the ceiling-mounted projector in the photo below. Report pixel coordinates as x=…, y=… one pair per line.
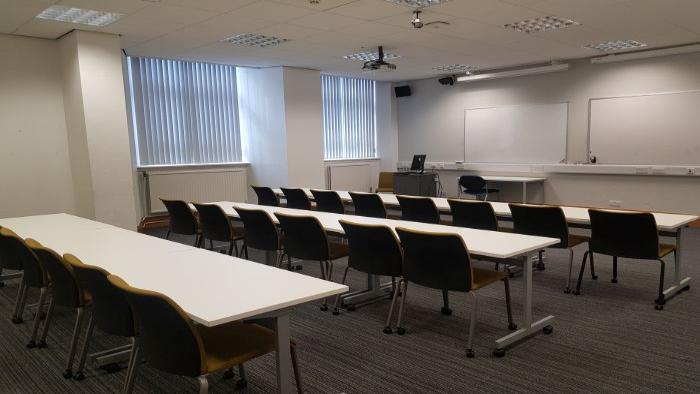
x=379, y=64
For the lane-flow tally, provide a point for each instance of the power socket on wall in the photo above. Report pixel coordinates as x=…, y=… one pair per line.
x=690, y=171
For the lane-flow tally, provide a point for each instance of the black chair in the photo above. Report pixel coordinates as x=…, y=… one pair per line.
x=65, y=292
x=441, y=261
x=546, y=221
x=368, y=204
x=259, y=231
x=9, y=260
x=328, y=201
x=475, y=186
x=266, y=196
x=109, y=312
x=216, y=226
x=169, y=341
x=182, y=220
x=631, y=235
x=473, y=214
x=375, y=250
x=296, y=198
x=419, y=209
x=306, y=239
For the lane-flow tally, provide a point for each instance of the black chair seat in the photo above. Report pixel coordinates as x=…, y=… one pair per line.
x=480, y=191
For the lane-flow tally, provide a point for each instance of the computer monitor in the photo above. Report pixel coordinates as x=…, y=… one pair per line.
x=418, y=163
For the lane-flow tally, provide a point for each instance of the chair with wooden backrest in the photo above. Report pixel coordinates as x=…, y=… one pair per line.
x=296, y=198
x=109, y=312
x=473, y=214
x=375, y=250
x=547, y=221
x=328, y=201
x=306, y=239
x=631, y=235
x=169, y=341
x=216, y=226
x=474, y=185
x=266, y=196
x=368, y=204
x=441, y=261
x=259, y=231
x=419, y=209
x=386, y=182
x=10, y=260
x=182, y=220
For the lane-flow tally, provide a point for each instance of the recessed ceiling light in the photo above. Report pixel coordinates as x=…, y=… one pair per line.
x=616, y=45
x=79, y=15
x=254, y=40
x=368, y=56
x=417, y=3
x=544, y=23
x=454, y=68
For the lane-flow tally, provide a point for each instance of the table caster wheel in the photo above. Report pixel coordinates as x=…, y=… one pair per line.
x=67, y=374
x=512, y=326
x=577, y=292
x=659, y=307
x=446, y=311
x=336, y=312
x=387, y=330
x=567, y=291
x=351, y=308
x=470, y=353
x=499, y=352
x=324, y=308
x=613, y=280
x=594, y=277
x=400, y=330
x=547, y=330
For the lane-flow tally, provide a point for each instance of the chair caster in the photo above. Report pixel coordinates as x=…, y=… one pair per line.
x=296, y=268
x=613, y=280
x=241, y=384
x=336, y=312
x=400, y=330
x=324, y=308
x=351, y=308
x=470, y=353
x=79, y=376
x=17, y=320
x=512, y=326
x=540, y=267
x=387, y=330
x=499, y=352
x=67, y=374
x=659, y=307
x=31, y=345
x=229, y=374
x=577, y=292
x=446, y=311
x=547, y=329
x=41, y=344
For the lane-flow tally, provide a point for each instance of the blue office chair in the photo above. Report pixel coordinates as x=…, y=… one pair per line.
x=474, y=185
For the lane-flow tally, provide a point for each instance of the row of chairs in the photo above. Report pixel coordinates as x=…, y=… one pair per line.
x=614, y=233
x=159, y=330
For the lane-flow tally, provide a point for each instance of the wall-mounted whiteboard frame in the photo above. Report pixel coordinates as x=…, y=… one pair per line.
x=643, y=95
x=546, y=121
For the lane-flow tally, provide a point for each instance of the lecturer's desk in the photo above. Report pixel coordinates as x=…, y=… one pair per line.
x=211, y=288
x=480, y=242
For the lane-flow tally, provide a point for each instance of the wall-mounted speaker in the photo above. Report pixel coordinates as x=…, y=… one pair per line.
x=402, y=91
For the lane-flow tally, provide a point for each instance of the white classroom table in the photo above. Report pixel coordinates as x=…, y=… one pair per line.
x=480, y=242
x=669, y=224
x=211, y=287
x=524, y=181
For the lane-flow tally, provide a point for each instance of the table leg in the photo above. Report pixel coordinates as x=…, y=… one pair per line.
x=679, y=284
x=375, y=291
x=528, y=327
x=283, y=354
x=270, y=258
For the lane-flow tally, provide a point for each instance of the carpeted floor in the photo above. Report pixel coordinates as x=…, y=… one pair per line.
x=609, y=339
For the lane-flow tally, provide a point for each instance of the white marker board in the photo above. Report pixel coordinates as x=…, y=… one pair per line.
x=518, y=134
x=654, y=129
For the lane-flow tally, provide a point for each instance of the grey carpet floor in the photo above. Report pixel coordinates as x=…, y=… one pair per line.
x=609, y=339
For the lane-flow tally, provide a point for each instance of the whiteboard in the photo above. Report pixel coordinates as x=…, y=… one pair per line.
x=524, y=134
x=653, y=129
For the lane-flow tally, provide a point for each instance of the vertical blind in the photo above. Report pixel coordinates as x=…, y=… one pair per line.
x=184, y=112
x=349, y=122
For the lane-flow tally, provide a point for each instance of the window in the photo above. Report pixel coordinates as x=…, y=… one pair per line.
x=349, y=123
x=183, y=112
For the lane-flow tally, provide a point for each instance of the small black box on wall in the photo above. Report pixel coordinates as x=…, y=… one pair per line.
x=402, y=91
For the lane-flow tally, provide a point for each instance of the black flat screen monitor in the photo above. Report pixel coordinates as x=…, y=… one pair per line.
x=418, y=163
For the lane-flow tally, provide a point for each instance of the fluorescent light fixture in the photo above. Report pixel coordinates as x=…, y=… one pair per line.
x=646, y=54
x=514, y=73
x=544, y=23
x=619, y=45
x=254, y=40
x=79, y=16
x=417, y=3
x=369, y=56
x=454, y=68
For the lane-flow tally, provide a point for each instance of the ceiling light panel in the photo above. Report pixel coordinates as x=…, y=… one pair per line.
x=619, y=45
x=417, y=3
x=454, y=68
x=544, y=23
x=79, y=15
x=368, y=56
x=255, y=40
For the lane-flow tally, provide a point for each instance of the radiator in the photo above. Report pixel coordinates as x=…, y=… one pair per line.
x=228, y=184
x=351, y=177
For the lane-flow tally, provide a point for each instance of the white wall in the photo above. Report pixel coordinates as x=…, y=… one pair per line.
x=35, y=171
x=431, y=121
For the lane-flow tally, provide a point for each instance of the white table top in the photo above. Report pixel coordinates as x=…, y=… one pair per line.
x=479, y=242
x=211, y=287
x=519, y=179
x=575, y=215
